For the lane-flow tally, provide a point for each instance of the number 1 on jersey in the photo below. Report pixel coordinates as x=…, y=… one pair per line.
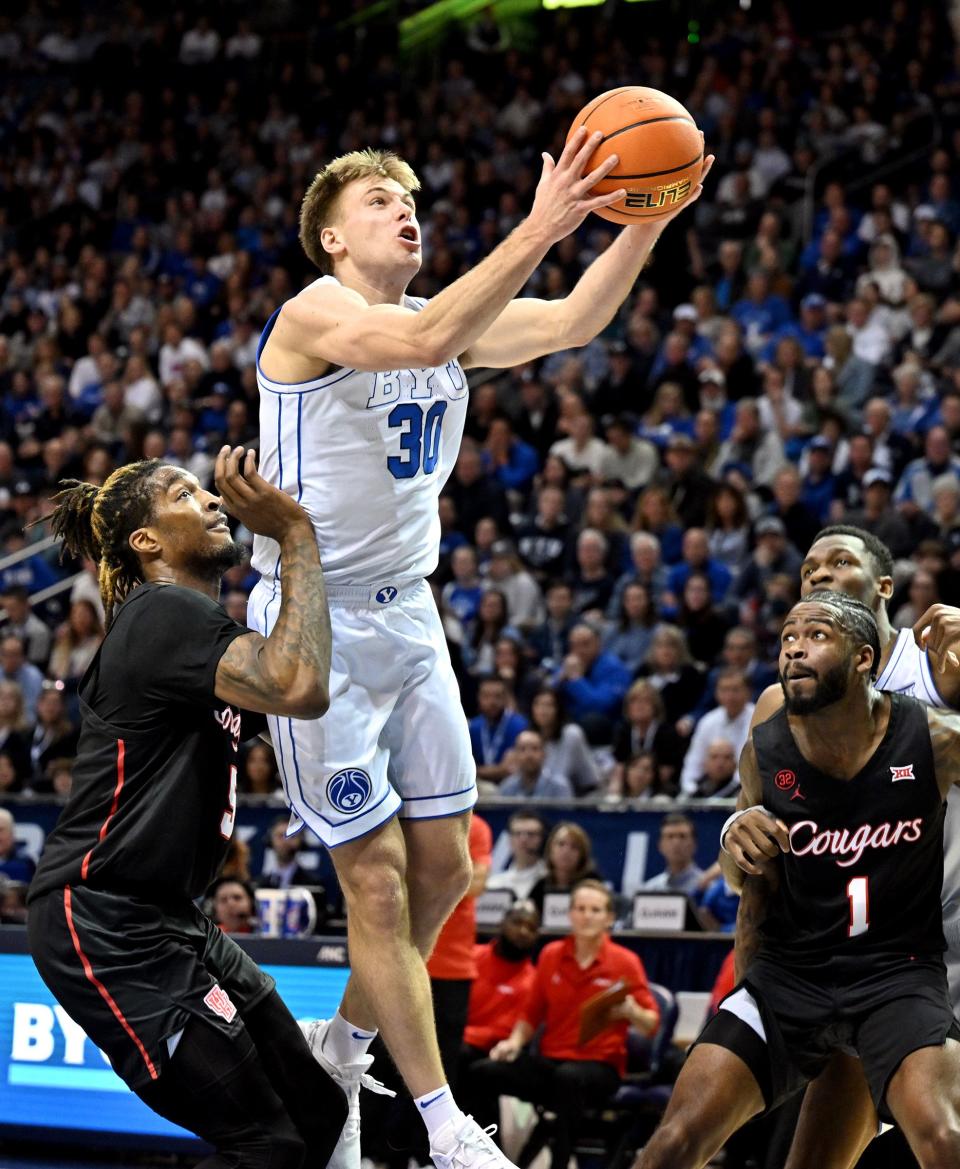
x=859, y=896
x=230, y=812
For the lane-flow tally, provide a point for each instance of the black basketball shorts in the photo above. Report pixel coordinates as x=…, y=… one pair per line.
x=132, y=973
x=785, y=1023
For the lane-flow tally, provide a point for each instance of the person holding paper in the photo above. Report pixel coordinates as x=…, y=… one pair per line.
x=588, y=991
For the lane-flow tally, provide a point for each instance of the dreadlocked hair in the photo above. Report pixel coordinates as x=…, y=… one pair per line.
x=96, y=522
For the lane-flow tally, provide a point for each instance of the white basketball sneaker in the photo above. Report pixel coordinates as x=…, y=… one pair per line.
x=351, y=1077
x=463, y=1144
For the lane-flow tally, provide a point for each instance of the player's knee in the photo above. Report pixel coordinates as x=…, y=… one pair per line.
x=442, y=880
x=671, y=1147
x=376, y=897
x=274, y=1146
x=937, y=1143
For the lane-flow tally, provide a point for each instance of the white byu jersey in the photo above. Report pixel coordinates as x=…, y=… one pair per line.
x=366, y=455
x=908, y=672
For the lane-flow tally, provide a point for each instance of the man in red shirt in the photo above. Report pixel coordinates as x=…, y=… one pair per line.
x=505, y=977
x=453, y=966
x=566, y=1076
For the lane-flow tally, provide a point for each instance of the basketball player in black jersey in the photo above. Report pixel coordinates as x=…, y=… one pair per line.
x=850, y=956
x=194, y=1027
x=838, y=1121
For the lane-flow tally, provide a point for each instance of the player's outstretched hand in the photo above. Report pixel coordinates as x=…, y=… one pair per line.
x=563, y=200
x=938, y=631
x=251, y=499
x=754, y=840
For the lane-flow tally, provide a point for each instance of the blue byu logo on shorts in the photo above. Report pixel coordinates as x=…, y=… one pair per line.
x=349, y=790
x=387, y=594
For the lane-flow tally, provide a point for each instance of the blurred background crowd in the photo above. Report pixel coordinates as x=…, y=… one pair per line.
x=625, y=525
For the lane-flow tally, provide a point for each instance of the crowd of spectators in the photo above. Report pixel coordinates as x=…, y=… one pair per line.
x=623, y=529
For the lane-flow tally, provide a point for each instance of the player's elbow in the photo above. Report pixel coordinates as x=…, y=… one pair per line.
x=308, y=701
x=570, y=330
x=574, y=338
x=433, y=353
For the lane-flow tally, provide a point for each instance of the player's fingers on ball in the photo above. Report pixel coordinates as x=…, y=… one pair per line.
x=601, y=171
x=707, y=166
x=606, y=200
x=578, y=163
x=573, y=143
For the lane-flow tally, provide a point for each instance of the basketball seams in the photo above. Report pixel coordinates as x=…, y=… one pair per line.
x=645, y=122
x=653, y=174
x=633, y=214
x=600, y=101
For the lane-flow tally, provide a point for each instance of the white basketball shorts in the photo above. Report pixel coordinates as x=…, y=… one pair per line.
x=394, y=739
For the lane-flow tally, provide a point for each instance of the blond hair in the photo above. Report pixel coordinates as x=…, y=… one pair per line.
x=319, y=203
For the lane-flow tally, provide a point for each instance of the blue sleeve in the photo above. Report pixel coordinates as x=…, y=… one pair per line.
x=677, y=578
x=522, y=467
x=474, y=739
x=516, y=724
x=604, y=689
x=781, y=311
x=721, y=578
x=671, y=544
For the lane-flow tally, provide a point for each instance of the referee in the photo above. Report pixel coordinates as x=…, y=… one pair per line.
x=191, y=1023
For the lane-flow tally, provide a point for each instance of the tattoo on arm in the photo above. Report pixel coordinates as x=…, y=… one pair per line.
x=288, y=672
x=945, y=741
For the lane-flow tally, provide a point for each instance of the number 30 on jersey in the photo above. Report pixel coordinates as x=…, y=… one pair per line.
x=419, y=438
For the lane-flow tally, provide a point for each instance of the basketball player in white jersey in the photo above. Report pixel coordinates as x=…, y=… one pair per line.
x=838, y=1119
x=363, y=399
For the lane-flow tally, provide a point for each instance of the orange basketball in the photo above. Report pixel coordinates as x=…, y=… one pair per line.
x=659, y=147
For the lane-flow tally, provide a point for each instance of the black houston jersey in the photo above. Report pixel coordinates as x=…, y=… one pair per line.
x=866, y=863
x=154, y=786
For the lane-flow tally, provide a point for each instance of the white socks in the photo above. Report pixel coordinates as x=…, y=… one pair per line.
x=344, y=1043
x=436, y=1108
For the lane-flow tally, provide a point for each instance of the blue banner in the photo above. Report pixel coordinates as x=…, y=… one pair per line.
x=53, y=1077
x=624, y=841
